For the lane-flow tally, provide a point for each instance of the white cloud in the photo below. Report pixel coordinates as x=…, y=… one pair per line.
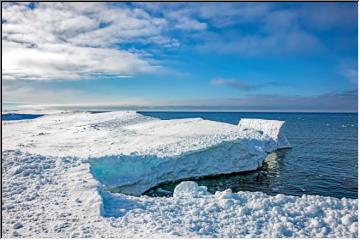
x=273, y=31
x=234, y=83
x=263, y=28
x=227, y=14
x=71, y=41
x=242, y=85
x=351, y=74
x=345, y=101
x=348, y=69
x=30, y=94
x=74, y=40
x=326, y=16
x=67, y=41
x=217, y=14
x=68, y=62
x=38, y=94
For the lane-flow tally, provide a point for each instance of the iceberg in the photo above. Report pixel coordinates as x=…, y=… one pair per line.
x=194, y=148
x=131, y=153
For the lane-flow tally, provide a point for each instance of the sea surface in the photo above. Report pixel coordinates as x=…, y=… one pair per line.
x=323, y=160
x=16, y=116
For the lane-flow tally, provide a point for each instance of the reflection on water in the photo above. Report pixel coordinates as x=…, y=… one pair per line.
x=271, y=163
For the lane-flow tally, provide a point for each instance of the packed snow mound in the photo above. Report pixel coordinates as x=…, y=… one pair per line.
x=189, y=189
x=272, y=128
x=131, y=153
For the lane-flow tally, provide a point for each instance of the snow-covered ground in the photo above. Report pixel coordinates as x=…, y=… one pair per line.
x=49, y=190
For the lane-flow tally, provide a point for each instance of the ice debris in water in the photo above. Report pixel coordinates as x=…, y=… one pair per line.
x=190, y=189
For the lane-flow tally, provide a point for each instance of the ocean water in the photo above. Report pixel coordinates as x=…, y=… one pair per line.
x=16, y=116
x=323, y=160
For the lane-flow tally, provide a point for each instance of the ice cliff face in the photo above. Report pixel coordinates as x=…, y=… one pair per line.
x=272, y=128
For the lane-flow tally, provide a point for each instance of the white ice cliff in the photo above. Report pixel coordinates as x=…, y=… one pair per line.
x=272, y=128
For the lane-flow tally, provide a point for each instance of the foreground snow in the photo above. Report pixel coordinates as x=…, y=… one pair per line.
x=58, y=197
x=49, y=191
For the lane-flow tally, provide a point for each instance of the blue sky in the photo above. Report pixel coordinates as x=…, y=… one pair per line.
x=219, y=56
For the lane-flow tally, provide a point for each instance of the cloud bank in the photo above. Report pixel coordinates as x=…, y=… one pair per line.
x=72, y=41
x=345, y=101
x=241, y=85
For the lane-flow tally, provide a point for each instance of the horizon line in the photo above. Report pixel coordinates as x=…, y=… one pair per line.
x=4, y=111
